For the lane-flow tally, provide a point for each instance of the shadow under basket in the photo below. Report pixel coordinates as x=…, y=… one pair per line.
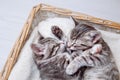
x=42, y=12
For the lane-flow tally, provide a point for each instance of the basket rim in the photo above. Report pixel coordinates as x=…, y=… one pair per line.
x=14, y=54
x=79, y=15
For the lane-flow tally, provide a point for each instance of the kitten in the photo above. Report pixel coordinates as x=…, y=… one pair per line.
x=99, y=62
x=81, y=56
x=51, y=60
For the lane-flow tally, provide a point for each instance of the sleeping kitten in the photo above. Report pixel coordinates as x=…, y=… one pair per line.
x=81, y=56
x=100, y=63
x=88, y=49
x=51, y=60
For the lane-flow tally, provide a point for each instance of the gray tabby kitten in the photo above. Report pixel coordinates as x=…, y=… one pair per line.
x=52, y=59
x=81, y=56
x=99, y=62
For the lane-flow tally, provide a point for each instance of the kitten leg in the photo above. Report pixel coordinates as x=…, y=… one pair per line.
x=55, y=59
x=84, y=60
x=75, y=65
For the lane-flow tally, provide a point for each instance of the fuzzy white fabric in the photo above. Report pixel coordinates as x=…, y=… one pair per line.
x=25, y=68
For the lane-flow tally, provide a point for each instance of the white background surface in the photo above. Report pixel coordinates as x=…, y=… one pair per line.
x=13, y=14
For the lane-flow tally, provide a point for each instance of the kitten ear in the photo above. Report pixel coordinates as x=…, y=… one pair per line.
x=36, y=48
x=96, y=36
x=57, y=32
x=76, y=23
x=40, y=36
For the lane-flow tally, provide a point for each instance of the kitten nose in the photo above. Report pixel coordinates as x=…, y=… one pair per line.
x=67, y=49
x=71, y=51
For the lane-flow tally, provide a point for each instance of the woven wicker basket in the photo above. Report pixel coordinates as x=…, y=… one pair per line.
x=31, y=21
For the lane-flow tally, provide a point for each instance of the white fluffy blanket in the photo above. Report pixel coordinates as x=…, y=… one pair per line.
x=25, y=69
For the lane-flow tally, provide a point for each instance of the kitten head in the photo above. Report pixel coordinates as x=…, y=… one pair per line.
x=83, y=36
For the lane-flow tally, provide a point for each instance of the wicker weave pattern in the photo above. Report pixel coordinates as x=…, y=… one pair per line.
x=14, y=54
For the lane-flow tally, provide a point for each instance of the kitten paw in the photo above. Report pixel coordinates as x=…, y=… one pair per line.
x=72, y=68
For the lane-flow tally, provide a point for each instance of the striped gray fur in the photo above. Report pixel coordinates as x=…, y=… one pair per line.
x=83, y=55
